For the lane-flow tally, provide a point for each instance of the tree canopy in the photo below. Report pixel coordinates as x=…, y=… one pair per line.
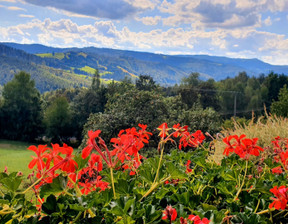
x=21, y=110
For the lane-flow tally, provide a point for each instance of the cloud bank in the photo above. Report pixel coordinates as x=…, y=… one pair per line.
x=110, y=9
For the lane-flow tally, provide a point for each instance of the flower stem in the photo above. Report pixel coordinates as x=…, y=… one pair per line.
x=265, y=211
x=257, y=206
x=243, y=182
x=154, y=186
x=112, y=182
x=159, y=164
x=36, y=182
x=77, y=217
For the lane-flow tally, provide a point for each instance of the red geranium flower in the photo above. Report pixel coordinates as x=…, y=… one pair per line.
x=280, y=202
x=197, y=220
x=38, y=160
x=229, y=147
x=277, y=170
x=188, y=169
x=169, y=213
x=163, y=128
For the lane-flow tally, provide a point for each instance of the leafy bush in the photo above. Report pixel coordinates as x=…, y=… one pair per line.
x=128, y=110
x=207, y=120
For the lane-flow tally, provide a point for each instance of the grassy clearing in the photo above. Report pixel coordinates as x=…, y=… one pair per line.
x=15, y=156
x=88, y=69
x=50, y=55
x=266, y=128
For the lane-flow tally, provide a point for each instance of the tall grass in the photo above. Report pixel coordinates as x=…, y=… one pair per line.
x=265, y=128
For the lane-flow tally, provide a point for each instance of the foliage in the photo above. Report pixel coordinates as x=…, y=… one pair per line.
x=207, y=120
x=116, y=185
x=57, y=119
x=88, y=101
x=145, y=82
x=128, y=109
x=280, y=107
x=235, y=121
x=21, y=110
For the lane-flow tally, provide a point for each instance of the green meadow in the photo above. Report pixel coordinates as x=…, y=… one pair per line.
x=15, y=156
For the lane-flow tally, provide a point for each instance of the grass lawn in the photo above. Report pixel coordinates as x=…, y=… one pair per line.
x=15, y=156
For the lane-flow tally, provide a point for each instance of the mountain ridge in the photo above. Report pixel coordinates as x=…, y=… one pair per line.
x=116, y=64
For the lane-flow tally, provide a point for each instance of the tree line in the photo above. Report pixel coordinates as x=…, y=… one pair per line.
x=65, y=115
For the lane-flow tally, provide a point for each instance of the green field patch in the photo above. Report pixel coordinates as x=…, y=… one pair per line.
x=92, y=71
x=106, y=73
x=88, y=69
x=52, y=55
x=83, y=54
x=108, y=81
x=15, y=156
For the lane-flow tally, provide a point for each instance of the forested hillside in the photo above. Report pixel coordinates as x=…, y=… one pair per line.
x=54, y=68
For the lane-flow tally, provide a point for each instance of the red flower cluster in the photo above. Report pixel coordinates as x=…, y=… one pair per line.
x=133, y=165
x=281, y=194
x=244, y=147
x=277, y=170
x=174, y=182
x=186, y=138
x=49, y=160
x=169, y=213
x=281, y=153
x=188, y=169
x=126, y=145
x=197, y=220
x=88, y=178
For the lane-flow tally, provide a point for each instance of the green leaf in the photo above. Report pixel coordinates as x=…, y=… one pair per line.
x=57, y=186
x=11, y=183
x=151, y=214
x=161, y=193
x=50, y=205
x=124, y=186
x=81, y=162
x=129, y=204
x=207, y=207
x=175, y=172
x=2, y=201
x=146, y=175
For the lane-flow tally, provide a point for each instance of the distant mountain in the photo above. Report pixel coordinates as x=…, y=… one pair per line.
x=64, y=67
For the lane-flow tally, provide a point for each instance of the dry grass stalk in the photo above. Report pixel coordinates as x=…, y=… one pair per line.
x=266, y=128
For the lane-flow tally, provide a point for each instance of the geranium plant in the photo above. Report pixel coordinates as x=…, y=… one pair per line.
x=115, y=183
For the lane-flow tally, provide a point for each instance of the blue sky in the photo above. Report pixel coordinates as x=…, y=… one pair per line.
x=233, y=28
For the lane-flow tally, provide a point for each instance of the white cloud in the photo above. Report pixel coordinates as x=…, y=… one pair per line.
x=228, y=14
x=268, y=21
x=12, y=1
x=111, y=9
x=150, y=20
x=144, y=4
x=26, y=16
x=14, y=8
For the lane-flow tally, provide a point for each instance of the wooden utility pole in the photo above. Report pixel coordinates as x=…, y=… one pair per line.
x=235, y=104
